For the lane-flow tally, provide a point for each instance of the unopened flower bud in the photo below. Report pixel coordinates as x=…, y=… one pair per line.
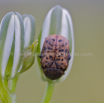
x=29, y=44
x=11, y=44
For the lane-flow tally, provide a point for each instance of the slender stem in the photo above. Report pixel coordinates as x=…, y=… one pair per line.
x=5, y=81
x=13, y=83
x=1, y=87
x=48, y=93
x=4, y=95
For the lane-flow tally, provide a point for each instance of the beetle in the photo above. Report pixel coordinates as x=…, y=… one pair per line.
x=55, y=56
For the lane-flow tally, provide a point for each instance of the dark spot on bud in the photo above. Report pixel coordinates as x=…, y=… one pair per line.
x=61, y=59
x=50, y=44
x=53, y=39
x=66, y=50
x=58, y=59
x=44, y=48
x=66, y=43
x=59, y=56
x=49, y=48
x=60, y=40
x=62, y=50
x=46, y=57
x=51, y=57
x=46, y=41
x=62, y=54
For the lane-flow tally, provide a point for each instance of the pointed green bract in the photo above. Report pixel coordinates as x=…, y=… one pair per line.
x=29, y=57
x=11, y=44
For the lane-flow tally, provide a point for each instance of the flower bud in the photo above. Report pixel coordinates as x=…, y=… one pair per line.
x=58, y=21
x=29, y=44
x=11, y=44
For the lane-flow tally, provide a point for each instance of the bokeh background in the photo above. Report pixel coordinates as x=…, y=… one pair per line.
x=85, y=83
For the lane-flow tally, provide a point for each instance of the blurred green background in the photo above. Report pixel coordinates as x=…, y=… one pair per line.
x=85, y=83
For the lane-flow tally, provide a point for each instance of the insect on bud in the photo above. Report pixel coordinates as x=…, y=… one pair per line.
x=54, y=65
x=57, y=24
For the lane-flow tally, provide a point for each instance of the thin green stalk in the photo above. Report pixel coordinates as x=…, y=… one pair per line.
x=5, y=81
x=4, y=95
x=48, y=92
x=13, y=83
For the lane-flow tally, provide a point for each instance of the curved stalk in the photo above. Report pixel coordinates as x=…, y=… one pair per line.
x=5, y=81
x=4, y=95
x=48, y=92
x=13, y=83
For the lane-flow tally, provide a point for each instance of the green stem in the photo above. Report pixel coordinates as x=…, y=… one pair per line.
x=5, y=81
x=13, y=83
x=48, y=92
x=4, y=95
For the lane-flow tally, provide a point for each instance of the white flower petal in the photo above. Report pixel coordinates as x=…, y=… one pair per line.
x=8, y=44
x=27, y=30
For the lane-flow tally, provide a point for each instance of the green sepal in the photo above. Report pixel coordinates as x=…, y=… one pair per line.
x=29, y=57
